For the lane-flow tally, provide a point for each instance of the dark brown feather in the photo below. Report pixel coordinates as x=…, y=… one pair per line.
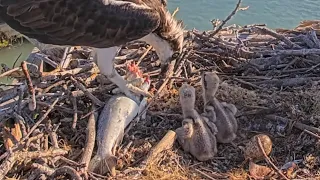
x=80, y=22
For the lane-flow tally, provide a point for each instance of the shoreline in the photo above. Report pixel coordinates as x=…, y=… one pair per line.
x=8, y=36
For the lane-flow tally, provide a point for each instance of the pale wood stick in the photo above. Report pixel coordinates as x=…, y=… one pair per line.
x=144, y=55
x=90, y=139
x=281, y=37
x=66, y=57
x=165, y=143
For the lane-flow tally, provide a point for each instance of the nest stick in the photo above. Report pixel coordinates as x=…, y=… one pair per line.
x=312, y=134
x=165, y=143
x=9, y=72
x=205, y=174
x=127, y=56
x=43, y=169
x=227, y=19
x=34, y=138
x=180, y=65
x=32, y=103
x=66, y=170
x=19, y=119
x=7, y=165
x=272, y=33
x=75, y=109
x=52, y=134
x=66, y=57
x=74, y=71
x=90, y=139
x=21, y=93
x=60, y=108
x=41, y=119
x=47, y=89
x=86, y=92
x=269, y=161
x=313, y=36
x=144, y=55
x=298, y=125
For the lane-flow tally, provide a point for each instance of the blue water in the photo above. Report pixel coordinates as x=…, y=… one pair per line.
x=274, y=13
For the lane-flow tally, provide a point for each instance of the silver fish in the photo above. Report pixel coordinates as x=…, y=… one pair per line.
x=114, y=118
x=116, y=115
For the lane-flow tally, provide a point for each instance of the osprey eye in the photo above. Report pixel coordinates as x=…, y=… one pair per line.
x=175, y=55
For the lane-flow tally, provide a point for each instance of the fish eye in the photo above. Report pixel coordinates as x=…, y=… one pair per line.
x=175, y=55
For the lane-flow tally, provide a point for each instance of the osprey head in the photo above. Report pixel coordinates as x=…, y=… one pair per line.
x=168, y=39
x=176, y=40
x=172, y=33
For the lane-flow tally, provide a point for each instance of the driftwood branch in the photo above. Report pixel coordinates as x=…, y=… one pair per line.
x=165, y=143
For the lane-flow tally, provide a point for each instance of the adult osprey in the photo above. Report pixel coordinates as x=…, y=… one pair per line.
x=101, y=24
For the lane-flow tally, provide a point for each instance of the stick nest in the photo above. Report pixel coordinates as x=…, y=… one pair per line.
x=271, y=77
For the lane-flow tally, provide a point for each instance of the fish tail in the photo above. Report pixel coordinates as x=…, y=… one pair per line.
x=103, y=165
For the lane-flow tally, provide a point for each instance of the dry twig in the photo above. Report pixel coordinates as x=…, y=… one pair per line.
x=41, y=119
x=86, y=92
x=227, y=19
x=32, y=103
x=269, y=161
